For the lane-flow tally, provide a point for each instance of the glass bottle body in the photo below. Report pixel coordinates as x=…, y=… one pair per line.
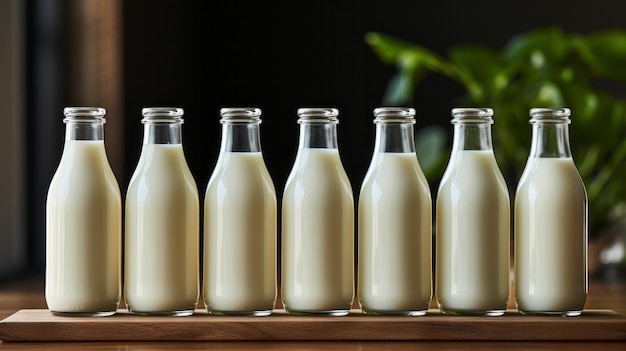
x=240, y=222
x=162, y=223
x=317, y=222
x=395, y=222
x=551, y=223
x=83, y=222
x=472, y=222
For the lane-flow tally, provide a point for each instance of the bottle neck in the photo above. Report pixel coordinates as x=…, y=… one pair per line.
x=472, y=136
x=84, y=131
x=318, y=135
x=550, y=140
x=394, y=137
x=162, y=133
x=240, y=137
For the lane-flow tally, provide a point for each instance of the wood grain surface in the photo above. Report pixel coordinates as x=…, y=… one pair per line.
x=41, y=325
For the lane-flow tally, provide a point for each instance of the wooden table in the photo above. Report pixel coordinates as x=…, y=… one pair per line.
x=28, y=294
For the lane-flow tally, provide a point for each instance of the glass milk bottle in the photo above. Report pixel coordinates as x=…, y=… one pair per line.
x=318, y=222
x=472, y=222
x=395, y=222
x=550, y=222
x=161, y=272
x=240, y=222
x=83, y=222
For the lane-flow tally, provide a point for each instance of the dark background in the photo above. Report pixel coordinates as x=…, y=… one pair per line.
x=278, y=56
x=283, y=55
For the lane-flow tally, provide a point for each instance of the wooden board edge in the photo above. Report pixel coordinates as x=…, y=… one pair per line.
x=292, y=328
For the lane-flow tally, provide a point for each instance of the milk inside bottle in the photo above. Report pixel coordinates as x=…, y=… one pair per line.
x=240, y=222
x=162, y=222
x=551, y=222
x=395, y=222
x=83, y=222
x=317, y=222
x=472, y=222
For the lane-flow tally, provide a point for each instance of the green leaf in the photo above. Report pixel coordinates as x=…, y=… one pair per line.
x=485, y=66
x=386, y=47
x=413, y=62
x=617, y=116
x=539, y=47
x=585, y=101
x=607, y=172
x=605, y=53
x=598, y=118
x=545, y=67
x=403, y=53
x=587, y=161
x=430, y=147
x=407, y=55
x=399, y=90
x=546, y=94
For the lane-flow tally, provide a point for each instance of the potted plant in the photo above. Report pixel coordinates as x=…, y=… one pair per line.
x=546, y=67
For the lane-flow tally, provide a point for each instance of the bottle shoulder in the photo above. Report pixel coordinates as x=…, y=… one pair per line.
x=473, y=176
x=395, y=169
x=550, y=173
x=167, y=158
x=84, y=172
x=241, y=169
x=164, y=165
x=321, y=162
x=471, y=163
x=82, y=158
x=318, y=170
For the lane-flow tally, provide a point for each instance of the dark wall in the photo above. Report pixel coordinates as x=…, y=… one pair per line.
x=203, y=55
x=276, y=55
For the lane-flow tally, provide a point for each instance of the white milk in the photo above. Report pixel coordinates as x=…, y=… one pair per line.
x=395, y=234
x=84, y=232
x=317, y=234
x=240, y=236
x=550, y=237
x=473, y=236
x=162, y=233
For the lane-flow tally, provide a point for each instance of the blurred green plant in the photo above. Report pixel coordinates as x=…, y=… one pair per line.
x=545, y=67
